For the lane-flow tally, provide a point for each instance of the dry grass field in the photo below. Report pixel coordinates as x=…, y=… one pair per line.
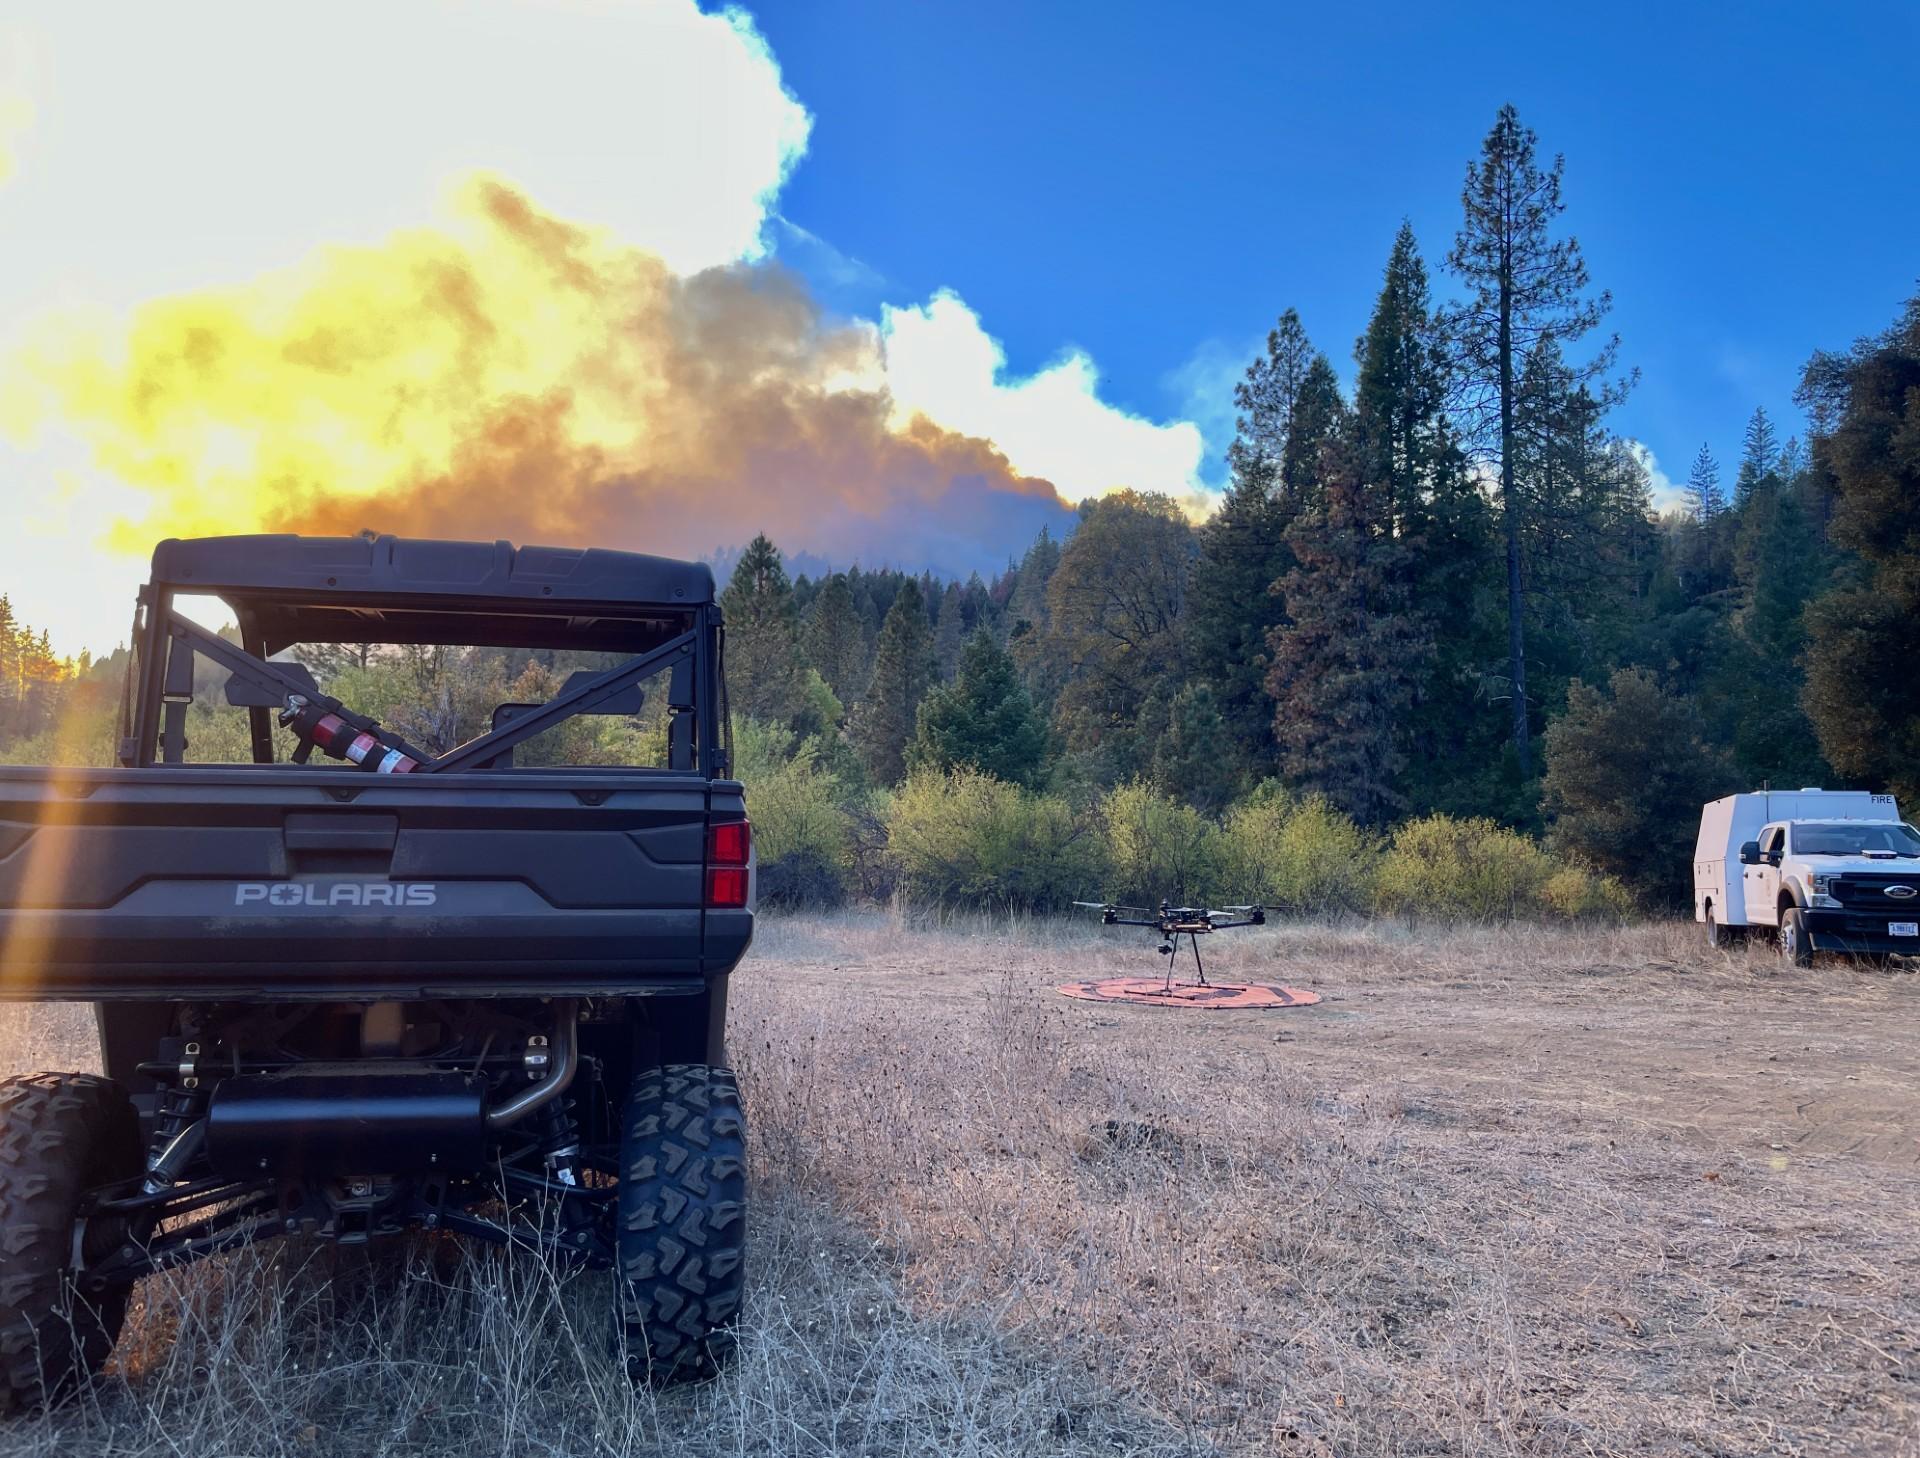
x=1506, y=1191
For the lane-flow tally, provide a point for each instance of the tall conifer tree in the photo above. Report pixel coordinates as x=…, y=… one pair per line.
x=763, y=659
x=1405, y=446
x=834, y=641
x=1345, y=662
x=1527, y=288
x=1705, y=500
x=1243, y=549
x=1759, y=457
x=984, y=718
x=903, y=671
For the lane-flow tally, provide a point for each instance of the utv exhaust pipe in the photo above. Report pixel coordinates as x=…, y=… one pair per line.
x=402, y=1121
x=565, y=1055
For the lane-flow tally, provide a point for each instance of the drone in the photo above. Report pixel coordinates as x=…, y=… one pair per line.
x=1174, y=922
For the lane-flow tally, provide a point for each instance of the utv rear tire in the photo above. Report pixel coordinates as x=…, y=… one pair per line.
x=1795, y=945
x=61, y=1136
x=682, y=1221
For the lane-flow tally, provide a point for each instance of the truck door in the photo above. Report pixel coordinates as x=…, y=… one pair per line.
x=1762, y=882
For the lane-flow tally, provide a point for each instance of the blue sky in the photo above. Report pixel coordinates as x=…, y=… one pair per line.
x=1154, y=183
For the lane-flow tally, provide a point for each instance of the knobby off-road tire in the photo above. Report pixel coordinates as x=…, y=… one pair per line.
x=61, y=1135
x=1795, y=944
x=682, y=1221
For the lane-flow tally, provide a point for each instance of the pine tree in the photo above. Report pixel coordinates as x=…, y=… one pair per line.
x=763, y=659
x=984, y=719
x=1399, y=403
x=949, y=633
x=835, y=644
x=1705, y=500
x=1793, y=461
x=1626, y=770
x=1319, y=418
x=1268, y=400
x=1861, y=694
x=1346, y=661
x=11, y=686
x=1243, y=549
x=1586, y=546
x=1759, y=457
x=1528, y=288
x=1193, y=762
x=902, y=673
x=1437, y=513
x=1028, y=601
x=1243, y=555
x=1117, y=608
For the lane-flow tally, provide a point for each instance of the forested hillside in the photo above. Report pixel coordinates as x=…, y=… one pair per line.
x=1444, y=591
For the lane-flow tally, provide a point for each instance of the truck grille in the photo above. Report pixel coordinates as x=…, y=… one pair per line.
x=1870, y=893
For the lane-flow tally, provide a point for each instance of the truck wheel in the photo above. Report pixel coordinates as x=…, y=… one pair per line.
x=1795, y=945
x=682, y=1214
x=61, y=1135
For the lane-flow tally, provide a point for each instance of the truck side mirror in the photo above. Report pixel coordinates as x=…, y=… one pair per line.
x=1750, y=853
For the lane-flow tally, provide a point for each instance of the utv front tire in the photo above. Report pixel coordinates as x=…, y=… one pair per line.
x=61, y=1136
x=682, y=1221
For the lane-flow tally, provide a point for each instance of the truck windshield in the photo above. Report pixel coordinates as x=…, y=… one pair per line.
x=1864, y=837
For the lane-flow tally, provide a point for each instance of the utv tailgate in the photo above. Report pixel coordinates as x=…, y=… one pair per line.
x=316, y=884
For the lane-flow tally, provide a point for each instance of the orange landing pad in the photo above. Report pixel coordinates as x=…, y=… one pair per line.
x=1154, y=990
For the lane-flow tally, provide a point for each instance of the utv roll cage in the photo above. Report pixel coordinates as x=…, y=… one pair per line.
x=286, y=590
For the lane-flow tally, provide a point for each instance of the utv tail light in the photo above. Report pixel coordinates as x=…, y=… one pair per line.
x=729, y=847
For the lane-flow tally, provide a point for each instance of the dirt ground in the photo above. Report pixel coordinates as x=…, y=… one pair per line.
x=1504, y=1191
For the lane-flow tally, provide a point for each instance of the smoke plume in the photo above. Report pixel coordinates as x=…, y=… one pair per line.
x=511, y=374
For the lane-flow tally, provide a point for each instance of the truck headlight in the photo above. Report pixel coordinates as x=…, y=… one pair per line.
x=1821, y=884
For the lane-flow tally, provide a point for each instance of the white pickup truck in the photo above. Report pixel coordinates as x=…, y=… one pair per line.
x=1821, y=870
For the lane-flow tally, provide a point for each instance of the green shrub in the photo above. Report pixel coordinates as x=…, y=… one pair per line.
x=1580, y=893
x=966, y=837
x=1461, y=870
x=1303, y=856
x=1158, y=847
x=800, y=832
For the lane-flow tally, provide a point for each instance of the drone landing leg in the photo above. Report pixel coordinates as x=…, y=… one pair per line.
x=1198, y=966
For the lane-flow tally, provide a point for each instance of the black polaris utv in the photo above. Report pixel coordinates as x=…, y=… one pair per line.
x=347, y=983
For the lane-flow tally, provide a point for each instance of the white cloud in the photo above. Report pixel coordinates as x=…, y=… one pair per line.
x=1667, y=495
x=1204, y=384
x=942, y=363
x=16, y=116
x=227, y=137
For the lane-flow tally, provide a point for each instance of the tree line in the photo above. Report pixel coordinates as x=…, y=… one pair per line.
x=36, y=684
x=1445, y=591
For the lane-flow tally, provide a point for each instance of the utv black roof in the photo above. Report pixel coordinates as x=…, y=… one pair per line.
x=289, y=589
x=443, y=569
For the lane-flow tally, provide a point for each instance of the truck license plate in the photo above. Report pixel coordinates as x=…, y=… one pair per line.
x=1903, y=928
